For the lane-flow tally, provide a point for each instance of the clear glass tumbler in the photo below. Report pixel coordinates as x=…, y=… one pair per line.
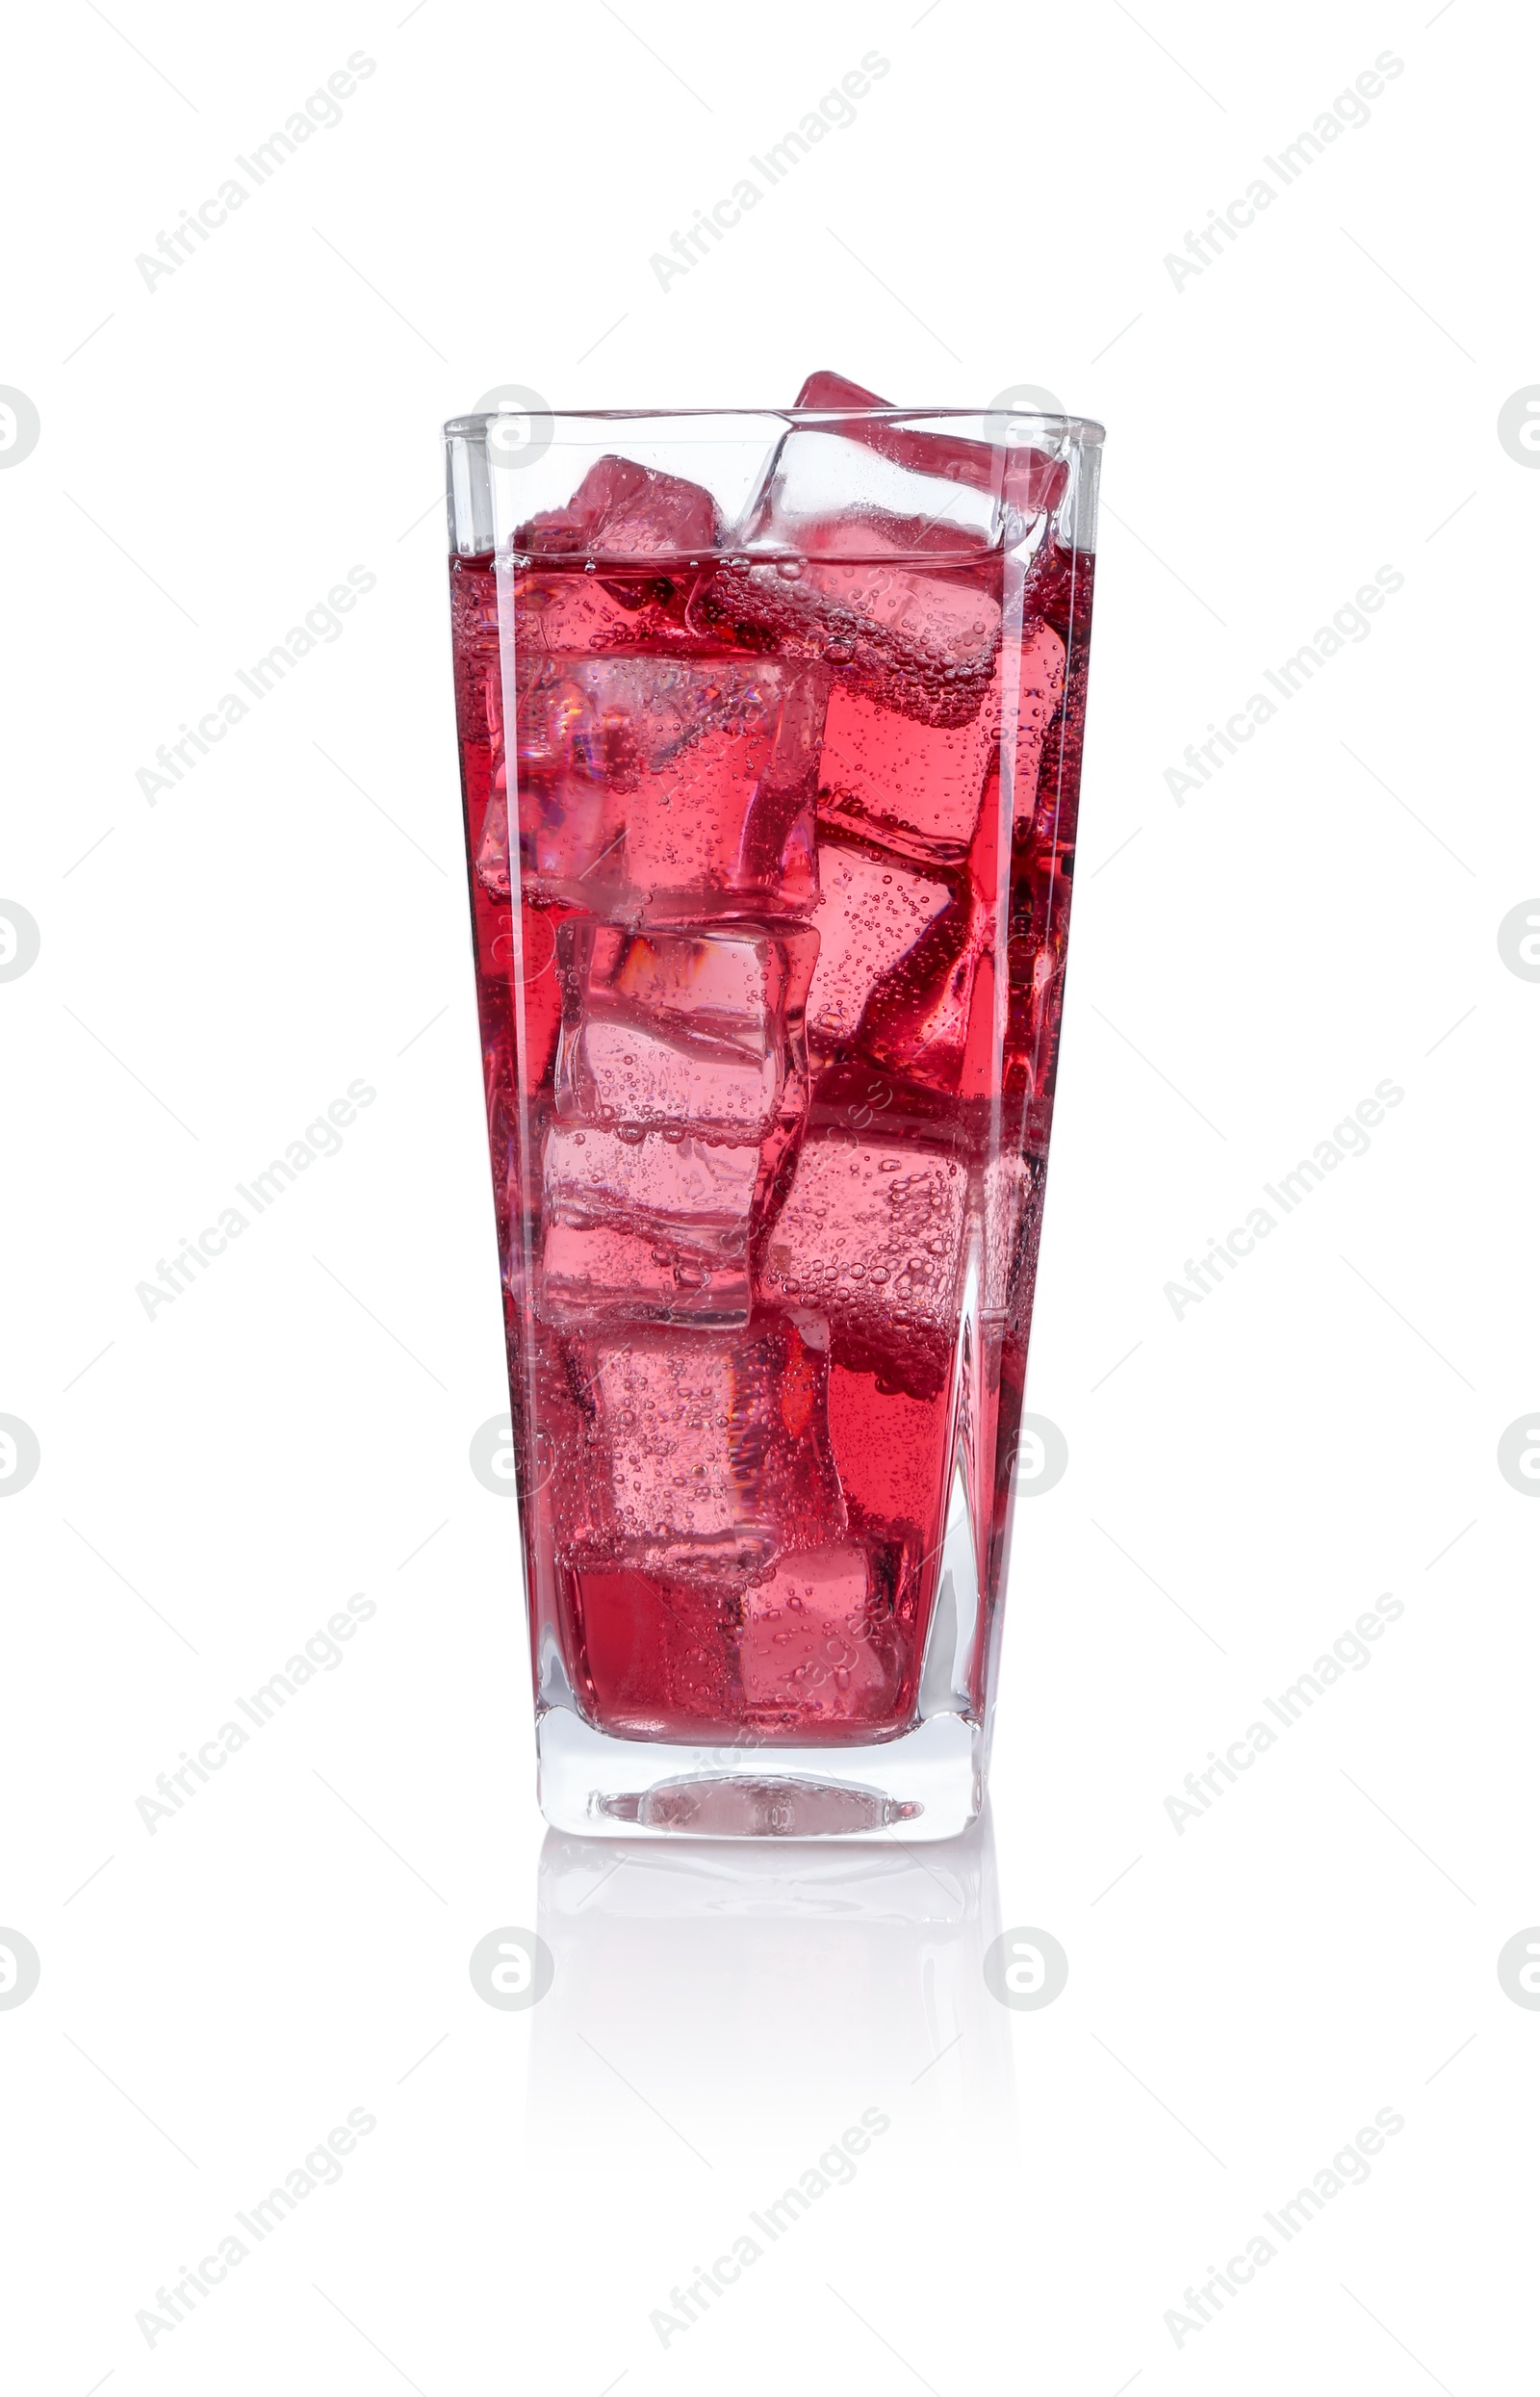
x=770, y=732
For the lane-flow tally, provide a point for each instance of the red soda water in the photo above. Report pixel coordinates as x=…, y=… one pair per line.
x=771, y=856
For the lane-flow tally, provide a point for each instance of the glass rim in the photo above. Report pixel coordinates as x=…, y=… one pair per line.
x=1083, y=429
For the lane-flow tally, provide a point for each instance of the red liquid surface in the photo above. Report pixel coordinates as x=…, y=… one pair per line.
x=770, y=966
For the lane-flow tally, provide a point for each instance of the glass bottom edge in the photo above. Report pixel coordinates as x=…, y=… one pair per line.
x=927, y=1784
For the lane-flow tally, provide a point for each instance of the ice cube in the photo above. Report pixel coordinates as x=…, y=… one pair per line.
x=733, y=978
x=699, y=1030
x=652, y=779
x=569, y=612
x=870, y=1236
x=621, y=510
x=709, y=1457
x=560, y=617
x=606, y=1273
x=647, y=1229
x=922, y=640
x=937, y=1027
x=937, y=1024
x=566, y=615
x=914, y=787
x=1026, y=478
x=892, y=1453
x=811, y=1645
x=627, y=1073
x=699, y=1188
x=656, y=1656
x=879, y=545
x=829, y=469
x=872, y=913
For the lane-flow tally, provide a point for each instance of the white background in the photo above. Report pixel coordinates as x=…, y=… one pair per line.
x=215, y=453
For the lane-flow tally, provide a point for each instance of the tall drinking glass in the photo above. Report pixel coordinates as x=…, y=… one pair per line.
x=770, y=734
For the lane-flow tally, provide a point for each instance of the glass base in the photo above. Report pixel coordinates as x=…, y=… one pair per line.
x=927, y=1784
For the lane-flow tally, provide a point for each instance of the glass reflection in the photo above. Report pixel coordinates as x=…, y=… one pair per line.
x=712, y=1998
